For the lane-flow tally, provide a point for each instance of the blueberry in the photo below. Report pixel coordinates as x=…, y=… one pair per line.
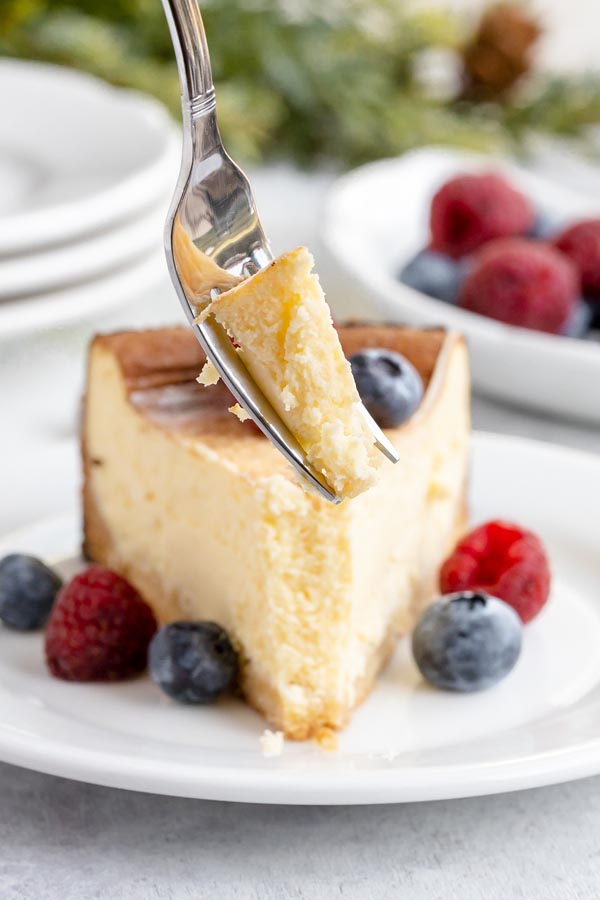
x=193, y=662
x=467, y=641
x=389, y=386
x=594, y=307
x=434, y=274
x=27, y=591
x=545, y=225
x=579, y=322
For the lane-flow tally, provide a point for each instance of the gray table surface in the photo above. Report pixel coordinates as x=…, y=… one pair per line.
x=65, y=841
x=61, y=840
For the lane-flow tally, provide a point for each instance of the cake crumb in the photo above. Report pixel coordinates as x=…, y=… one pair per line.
x=271, y=743
x=239, y=411
x=327, y=739
x=288, y=399
x=208, y=375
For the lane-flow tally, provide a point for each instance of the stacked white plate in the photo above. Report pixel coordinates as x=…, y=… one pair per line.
x=86, y=172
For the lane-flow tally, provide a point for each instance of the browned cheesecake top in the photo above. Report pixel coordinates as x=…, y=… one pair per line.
x=160, y=367
x=162, y=356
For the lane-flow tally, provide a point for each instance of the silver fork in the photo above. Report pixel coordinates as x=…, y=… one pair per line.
x=214, y=205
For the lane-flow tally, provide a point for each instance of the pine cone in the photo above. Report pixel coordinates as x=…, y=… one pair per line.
x=499, y=53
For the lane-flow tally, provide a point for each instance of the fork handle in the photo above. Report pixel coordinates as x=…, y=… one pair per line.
x=191, y=52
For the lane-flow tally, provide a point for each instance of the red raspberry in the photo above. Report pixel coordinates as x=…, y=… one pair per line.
x=470, y=210
x=581, y=243
x=523, y=283
x=99, y=629
x=503, y=560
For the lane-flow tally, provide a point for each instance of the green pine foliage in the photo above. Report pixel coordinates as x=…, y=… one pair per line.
x=326, y=79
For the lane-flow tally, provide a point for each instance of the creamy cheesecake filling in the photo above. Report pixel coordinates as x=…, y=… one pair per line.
x=283, y=326
x=204, y=517
x=166, y=507
x=208, y=541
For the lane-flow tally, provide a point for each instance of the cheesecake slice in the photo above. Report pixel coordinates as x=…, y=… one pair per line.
x=205, y=518
x=282, y=326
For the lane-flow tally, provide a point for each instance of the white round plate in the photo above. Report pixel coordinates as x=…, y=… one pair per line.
x=76, y=155
x=82, y=301
x=39, y=273
x=375, y=220
x=407, y=741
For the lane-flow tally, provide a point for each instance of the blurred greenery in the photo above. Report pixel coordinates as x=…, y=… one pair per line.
x=344, y=80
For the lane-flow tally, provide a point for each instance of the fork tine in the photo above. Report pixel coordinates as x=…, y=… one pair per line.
x=383, y=443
